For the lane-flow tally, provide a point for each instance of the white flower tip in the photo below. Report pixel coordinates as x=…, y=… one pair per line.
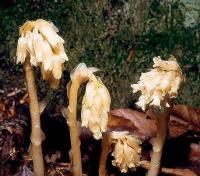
x=81, y=70
x=97, y=135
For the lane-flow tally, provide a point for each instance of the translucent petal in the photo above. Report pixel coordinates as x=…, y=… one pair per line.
x=85, y=116
x=119, y=134
x=83, y=70
x=49, y=33
x=28, y=26
x=21, y=50
x=47, y=56
x=104, y=121
x=62, y=53
x=37, y=42
x=57, y=68
x=128, y=155
x=165, y=65
x=134, y=143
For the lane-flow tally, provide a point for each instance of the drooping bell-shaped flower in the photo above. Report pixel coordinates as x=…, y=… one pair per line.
x=40, y=42
x=95, y=107
x=126, y=151
x=83, y=72
x=162, y=82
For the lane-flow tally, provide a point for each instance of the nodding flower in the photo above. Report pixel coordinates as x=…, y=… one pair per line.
x=95, y=107
x=127, y=151
x=161, y=82
x=82, y=72
x=40, y=43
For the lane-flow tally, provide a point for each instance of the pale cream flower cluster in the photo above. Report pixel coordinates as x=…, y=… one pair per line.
x=127, y=151
x=40, y=42
x=159, y=83
x=95, y=107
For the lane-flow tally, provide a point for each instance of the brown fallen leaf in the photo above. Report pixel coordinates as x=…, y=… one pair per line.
x=183, y=119
x=188, y=114
x=170, y=171
x=178, y=127
x=133, y=121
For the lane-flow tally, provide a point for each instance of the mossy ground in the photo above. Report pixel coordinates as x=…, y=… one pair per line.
x=104, y=34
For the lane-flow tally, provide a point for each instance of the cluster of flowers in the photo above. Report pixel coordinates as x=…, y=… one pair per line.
x=96, y=101
x=157, y=84
x=39, y=41
x=126, y=152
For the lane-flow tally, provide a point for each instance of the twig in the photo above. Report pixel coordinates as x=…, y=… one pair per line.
x=15, y=92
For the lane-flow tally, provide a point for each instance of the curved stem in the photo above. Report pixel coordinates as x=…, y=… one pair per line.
x=74, y=133
x=36, y=133
x=105, y=147
x=158, y=143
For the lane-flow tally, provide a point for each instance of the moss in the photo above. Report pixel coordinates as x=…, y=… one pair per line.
x=101, y=33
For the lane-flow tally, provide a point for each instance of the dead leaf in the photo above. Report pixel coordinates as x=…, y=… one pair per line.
x=188, y=114
x=133, y=121
x=183, y=119
x=170, y=171
x=177, y=127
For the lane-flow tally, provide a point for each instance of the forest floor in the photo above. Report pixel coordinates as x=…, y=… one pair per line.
x=181, y=152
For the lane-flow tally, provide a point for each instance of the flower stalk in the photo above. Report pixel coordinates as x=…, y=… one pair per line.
x=39, y=45
x=105, y=148
x=36, y=134
x=78, y=76
x=74, y=133
x=95, y=107
x=162, y=120
x=158, y=86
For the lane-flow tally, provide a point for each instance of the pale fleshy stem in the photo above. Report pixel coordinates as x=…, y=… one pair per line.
x=74, y=132
x=162, y=120
x=36, y=133
x=105, y=148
